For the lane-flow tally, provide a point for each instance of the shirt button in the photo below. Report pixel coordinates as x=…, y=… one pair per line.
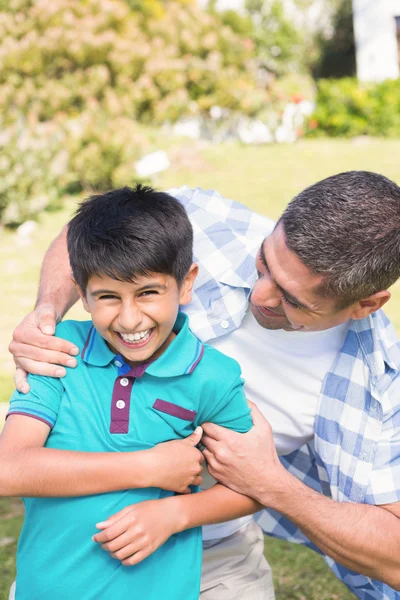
x=124, y=381
x=120, y=404
x=225, y=324
x=117, y=363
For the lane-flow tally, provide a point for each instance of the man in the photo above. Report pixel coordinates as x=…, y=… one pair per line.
x=319, y=358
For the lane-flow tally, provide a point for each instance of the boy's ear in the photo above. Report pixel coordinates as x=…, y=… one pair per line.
x=82, y=296
x=364, y=308
x=187, y=284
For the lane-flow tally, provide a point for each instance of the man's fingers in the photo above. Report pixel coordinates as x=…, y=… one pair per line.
x=40, y=355
x=46, y=318
x=210, y=443
x=37, y=339
x=20, y=379
x=213, y=431
x=41, y=368
x=114, y=518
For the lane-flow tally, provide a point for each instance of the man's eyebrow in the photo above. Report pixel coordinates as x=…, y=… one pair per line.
x=287, y=294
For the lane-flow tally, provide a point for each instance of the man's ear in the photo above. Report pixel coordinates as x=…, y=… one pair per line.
x=364, y=308
x=187, y=284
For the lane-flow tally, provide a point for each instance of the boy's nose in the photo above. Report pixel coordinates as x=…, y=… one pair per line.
x=129, y=318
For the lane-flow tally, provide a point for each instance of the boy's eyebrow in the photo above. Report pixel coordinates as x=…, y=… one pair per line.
x=149, y=285
x=287, y=294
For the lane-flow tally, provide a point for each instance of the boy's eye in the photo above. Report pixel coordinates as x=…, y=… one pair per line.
x=107, y=297
x=148, y=293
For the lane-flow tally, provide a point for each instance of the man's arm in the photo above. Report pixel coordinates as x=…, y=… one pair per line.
x=34, y=348
x=29, y=469
x=138, y=530
x=362, y=537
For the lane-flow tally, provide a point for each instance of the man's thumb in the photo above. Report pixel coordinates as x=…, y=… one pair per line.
x=194, y=438
x=256, y=415
x=46, y=317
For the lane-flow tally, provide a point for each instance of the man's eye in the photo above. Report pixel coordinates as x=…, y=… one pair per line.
x=292, y=304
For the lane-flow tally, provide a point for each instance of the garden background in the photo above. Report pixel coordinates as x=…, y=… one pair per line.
x=247, y=103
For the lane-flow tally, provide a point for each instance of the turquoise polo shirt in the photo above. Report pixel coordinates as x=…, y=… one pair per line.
x=104, y=405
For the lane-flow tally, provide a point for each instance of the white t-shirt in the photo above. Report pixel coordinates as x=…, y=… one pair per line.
x=283, y=373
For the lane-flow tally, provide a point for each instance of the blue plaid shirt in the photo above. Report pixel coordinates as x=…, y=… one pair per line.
x=355, y=454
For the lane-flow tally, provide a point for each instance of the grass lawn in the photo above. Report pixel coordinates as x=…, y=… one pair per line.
x=265, y=179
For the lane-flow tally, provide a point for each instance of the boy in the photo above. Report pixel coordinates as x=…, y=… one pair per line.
x=143, y=379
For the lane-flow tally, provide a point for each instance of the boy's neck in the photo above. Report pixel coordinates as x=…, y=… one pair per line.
x=151, y=358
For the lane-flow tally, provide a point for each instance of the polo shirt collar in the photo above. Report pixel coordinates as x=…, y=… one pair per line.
x=180, y=358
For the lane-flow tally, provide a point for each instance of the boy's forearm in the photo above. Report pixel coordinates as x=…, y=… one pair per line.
x=216, y=505
x=45, y=472
x=56, y=287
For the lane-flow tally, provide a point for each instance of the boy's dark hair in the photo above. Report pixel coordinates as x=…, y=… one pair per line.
x=347, y=228
x=127, y=233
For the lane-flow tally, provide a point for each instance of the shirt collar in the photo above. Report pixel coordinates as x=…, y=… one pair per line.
x=379, y=342
x=180, y=358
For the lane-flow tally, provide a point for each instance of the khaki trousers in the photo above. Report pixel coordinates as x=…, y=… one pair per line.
x=235, y=568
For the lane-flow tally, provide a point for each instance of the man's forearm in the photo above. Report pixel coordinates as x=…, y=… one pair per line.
x=42, y=472
x=362, y=537
x=56, y=287
x=216, y=505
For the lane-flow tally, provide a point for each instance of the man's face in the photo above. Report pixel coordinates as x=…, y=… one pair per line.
x=286, y=295
x=136, y=318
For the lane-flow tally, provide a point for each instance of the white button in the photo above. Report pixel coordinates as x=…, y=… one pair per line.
x=120, y=404
x=124, y=382
x=117, y=363
x=225, y=324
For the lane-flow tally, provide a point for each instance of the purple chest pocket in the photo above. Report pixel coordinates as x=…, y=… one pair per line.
x=174, y=410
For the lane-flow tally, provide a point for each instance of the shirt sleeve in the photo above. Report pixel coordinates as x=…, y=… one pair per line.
x=384, y=482
x=231, y=411
x=42, y=402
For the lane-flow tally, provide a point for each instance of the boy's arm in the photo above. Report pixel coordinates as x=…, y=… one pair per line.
x=138, y=530
x=33, y=346
x=29, y=469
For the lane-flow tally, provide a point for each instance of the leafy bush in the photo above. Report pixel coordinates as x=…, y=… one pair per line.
x=348, y=108
x=79, y=75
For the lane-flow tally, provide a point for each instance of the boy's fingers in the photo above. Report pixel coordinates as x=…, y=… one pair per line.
x=136, y=558
x=114, y=518
x=194, y=438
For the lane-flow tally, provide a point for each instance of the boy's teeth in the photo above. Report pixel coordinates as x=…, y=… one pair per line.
x=135, y=337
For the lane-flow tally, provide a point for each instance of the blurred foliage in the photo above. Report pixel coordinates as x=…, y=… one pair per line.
x=337, y=55
x=82, y=74
x=348, y=108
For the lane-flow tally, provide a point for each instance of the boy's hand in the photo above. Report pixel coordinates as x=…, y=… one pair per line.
x=177, y=464
x=36, y=350
x=138, y=530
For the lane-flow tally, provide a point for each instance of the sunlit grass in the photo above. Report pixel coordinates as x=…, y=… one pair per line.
x=264, y=178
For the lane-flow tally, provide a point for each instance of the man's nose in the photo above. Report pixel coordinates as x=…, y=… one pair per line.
x=130, y=316
x=265, y=293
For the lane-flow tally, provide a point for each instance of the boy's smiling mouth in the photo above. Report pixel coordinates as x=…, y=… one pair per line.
x=136, y=340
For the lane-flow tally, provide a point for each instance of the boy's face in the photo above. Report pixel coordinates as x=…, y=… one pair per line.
x=136, y=319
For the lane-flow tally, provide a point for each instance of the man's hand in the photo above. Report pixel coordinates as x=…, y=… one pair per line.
x=36, y=350
x=245, y=462
x=138, y=530
x=177, y=464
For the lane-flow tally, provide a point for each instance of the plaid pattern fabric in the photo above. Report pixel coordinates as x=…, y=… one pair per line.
x=355, y=453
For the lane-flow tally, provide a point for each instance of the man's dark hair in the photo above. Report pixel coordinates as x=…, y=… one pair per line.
x=347, y=228
x=127, y=233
